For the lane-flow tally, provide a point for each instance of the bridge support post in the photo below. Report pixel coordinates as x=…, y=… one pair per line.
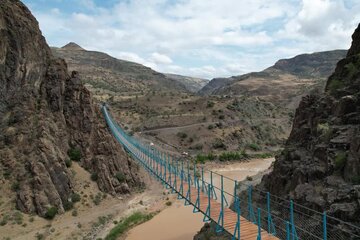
x=250, y=208
x=238, y=213
x=207, y=216
x=287, y=231
x=181, y=190
x=197, y=203
x=259, y=224
x=213, y=193
x=188, y=194
x=202, y=179
x=293, y=229
x=220, y=223
x=271, y=228
x=324, y=226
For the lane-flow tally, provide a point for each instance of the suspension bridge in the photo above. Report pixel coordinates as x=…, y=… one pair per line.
x=250, y=214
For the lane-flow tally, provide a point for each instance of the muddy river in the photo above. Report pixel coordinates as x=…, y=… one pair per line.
x=178, y=222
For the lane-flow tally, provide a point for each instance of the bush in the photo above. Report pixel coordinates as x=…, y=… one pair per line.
x=68, y=163
x=210, y=104
x=340, y=160
x=15, y=186
x=219, y=144
x=74, y=213
x=222, y=117
x=120, y=177
x=254, y=147
x=94, y=176
x=168, y=203
x=249, y=178
x=74, y=154
x=210, y=126
x=51, y=213
x=75, y=197
x=229, y=156
x=68, y=205
x=181, y=135
x=201, y=158
x=335, y=84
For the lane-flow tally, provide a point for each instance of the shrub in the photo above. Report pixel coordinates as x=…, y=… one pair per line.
x=201, y=158
x=68, y=205
x=68, y=163
x=74, y=213
x=75, y=197
x=249, y=178
x=51, y=212
x=210, y=104
x=229, y=156
x=210, y=126
x=15, y=186
x=120, y=177
x=340, y=160
x=181, y=135
x=324, y=130
x=74, y=154
x=335, y=84
x=168, y=203
x=356, y=180
x=94, y=176
x=254, y=147
x=219, y=144
x=222, y=117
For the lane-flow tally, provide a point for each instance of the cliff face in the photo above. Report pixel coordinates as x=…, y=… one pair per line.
x=44, y=113
x=320, y=166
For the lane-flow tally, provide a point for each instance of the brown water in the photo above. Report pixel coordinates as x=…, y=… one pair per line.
x=178, y=222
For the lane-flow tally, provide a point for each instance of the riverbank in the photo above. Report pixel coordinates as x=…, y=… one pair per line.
x=178, y=222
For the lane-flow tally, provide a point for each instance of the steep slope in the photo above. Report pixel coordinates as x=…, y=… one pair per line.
x=104, y=73
x=46, y=117
x=192, y=84
x=288, y=76
x=320, y=166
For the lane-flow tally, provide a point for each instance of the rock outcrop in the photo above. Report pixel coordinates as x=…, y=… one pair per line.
x=320, y=166
x=46, y=114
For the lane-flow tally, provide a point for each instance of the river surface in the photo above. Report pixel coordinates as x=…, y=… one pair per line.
x=178, y=222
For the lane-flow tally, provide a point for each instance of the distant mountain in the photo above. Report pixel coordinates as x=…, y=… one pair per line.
x=192, y=84
x=105, y=73
x=296, y=73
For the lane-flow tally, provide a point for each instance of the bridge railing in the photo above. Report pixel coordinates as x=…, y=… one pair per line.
x=280, y=217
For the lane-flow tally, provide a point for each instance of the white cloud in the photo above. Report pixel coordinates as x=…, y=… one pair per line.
x=205, y=38
x=160, y=58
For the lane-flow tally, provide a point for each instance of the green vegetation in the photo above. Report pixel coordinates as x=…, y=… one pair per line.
x=74, y=154
x=15, y=186
x=356, y=180
x=68, y=163
x=75, y=197
x=168, y=203
x=262, y=155
x=51, y=212
x=340, y=160
x=210, y=126
x=123, y=226
x=201, y=158
x=97, y=199
x=229, y=156
x=94, y=176
x=181, y=135
x=254, y=147
x=324, y=130
x=210, y=104
x=219, y=144
x=68, y=205
x=334, y=85
x=120, y=177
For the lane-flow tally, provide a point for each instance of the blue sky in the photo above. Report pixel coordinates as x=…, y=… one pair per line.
x=202, y=38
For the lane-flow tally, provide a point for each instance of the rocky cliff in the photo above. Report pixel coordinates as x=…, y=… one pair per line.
x=320, y=166
x=46, y=118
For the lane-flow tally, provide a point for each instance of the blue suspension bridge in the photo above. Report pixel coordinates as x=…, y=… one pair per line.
x=250, y=214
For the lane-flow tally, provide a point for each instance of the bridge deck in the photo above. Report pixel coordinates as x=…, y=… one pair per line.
x=248, y=230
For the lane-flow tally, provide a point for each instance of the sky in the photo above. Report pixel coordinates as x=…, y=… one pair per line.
x=200, y=38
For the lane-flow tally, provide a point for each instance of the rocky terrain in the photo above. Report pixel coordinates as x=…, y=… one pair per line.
x=47, y=120
x=192, y=84
x=320, y=166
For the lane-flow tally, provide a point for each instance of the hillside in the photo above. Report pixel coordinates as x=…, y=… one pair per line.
x=287, y=76
x=107, y=76
x=192, y=84
x=47, y=120
x=320, y=166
